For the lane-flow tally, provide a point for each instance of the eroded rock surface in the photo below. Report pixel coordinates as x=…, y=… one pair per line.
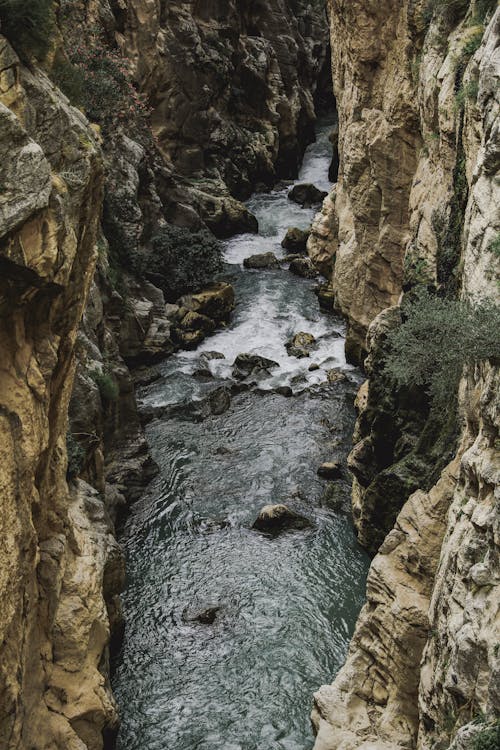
x=420, y=666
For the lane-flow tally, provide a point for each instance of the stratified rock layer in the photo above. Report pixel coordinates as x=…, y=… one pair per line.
x=57, y=549
x=422, y=662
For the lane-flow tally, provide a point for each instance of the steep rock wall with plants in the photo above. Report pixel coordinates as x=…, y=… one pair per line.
x=422, y=669
x=61, y=568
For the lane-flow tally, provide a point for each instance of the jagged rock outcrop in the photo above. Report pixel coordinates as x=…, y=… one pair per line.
x=422, y=662
x=232, y=86
x=57, y=550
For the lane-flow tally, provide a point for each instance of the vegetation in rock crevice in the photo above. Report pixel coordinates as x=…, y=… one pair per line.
x=437, y=339
x=28, y=26
x=97, y=79
x=488, y=738
x=181, y=261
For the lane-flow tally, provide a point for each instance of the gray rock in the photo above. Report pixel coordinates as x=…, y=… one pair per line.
x=296, y=240
x=304, y=267
x=276, y=519
x=306, y=195
x=331, y=470
x=250, y=364
x=262, y=261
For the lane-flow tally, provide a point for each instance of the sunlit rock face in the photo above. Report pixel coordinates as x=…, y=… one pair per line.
x=424, y=92
x=57, y=548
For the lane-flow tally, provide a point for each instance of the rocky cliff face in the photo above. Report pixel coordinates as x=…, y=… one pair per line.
x=232, y=89
x=422, y=663
x=58, y=550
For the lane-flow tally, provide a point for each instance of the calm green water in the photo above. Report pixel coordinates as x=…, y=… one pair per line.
x=287, y=605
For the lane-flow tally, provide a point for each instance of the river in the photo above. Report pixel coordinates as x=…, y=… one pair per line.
x=287, y=605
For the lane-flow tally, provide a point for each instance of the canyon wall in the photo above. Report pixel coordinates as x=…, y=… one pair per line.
x=60, y=567
x=80, y=203
x=418, y=195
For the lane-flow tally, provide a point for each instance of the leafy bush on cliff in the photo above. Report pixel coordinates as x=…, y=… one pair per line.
x=28, y=26
x=488, y=739
x=108, y=387
x=437, y=338
x=182, y=261
x=76, y=456
x=97, y=79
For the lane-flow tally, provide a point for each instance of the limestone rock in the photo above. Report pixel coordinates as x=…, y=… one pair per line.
x=249, y=364
x=262, y=261
x=301, y=345
x=296, y=240
x=306, y=195
x=303, y=267
x=276, y=519
x=215, y=302
x=322, y=243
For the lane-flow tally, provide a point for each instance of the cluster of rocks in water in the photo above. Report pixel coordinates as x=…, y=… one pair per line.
x=295, y=241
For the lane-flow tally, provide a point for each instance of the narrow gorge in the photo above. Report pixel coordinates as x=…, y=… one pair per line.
x=249, y=403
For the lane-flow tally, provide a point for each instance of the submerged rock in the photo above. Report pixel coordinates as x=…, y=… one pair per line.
x=275, y=519
x=306, y=195
x=284, y=390
x=203, y=616
x=300, y=345
x=212, y=355
x=262, y=261
x=216, y=403
x=249, y=364
x=331, y=470
x=304, y=267
x=336, y=376
x=296, y=240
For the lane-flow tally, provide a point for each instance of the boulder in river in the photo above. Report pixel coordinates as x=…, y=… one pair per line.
x=215, y=302
x=248, y=364
x=336, y=376
x=304, y=267
x=205, y=616
x=218, y=401
x=301, y=345
x=306, y=195
x=331, y=470
x=194, y=321
x=296, y=240
x=262, y=261
x=275, y=519
x=326, y=297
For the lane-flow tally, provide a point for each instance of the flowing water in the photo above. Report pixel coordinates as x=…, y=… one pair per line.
x=287, y=605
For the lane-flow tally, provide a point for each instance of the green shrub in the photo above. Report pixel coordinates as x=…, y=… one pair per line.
x=437, y=338
x=468, y=90
x=488, y=739
x=76, y=456
x=494, y=246
x=28, y=25
x=96, y=78
x=182, y=261
x=485, y=9
x=473, y=43
x=451, y=11
x=108, y=387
